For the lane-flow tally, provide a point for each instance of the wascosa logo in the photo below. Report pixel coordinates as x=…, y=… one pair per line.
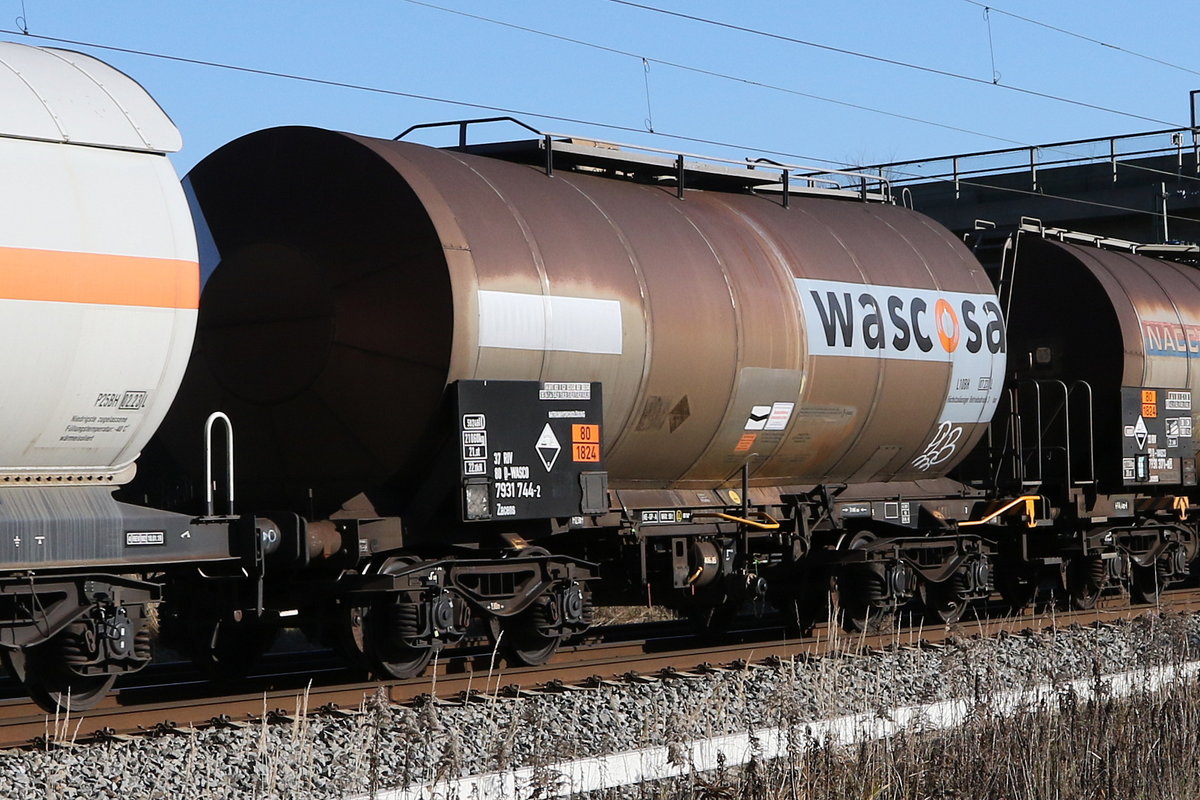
x=853, y=319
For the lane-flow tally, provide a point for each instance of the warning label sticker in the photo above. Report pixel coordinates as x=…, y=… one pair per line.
x=548, y=447
x=774, y=417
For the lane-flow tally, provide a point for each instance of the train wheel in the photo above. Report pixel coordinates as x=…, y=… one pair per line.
x=945, y=602
x=50, y=682
x=1146, y=584
x=391, y=630
x=859, y=615
x=389, y=636
x=1017, y=586
x=363, y=639
x=860, y=590
x=1085, y=577
x=526, y=637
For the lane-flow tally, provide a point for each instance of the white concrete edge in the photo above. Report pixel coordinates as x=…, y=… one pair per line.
x=654, y=763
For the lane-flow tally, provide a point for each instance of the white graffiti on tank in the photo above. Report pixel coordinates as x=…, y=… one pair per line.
x=940, y=448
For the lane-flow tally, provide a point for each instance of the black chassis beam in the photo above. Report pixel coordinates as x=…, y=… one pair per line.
x=1143, y=544
x=34, y=608
x=71, y=527
x=954, y=550
x=533, y=577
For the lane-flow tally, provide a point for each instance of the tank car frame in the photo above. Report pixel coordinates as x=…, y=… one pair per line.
x=99, y=284
x=1028, y=513
x=481, y=390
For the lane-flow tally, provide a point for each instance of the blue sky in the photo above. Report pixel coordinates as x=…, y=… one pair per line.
x=759, y=106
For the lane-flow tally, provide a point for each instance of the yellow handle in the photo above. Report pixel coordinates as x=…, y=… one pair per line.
x=1027, y=499
x=771, y=523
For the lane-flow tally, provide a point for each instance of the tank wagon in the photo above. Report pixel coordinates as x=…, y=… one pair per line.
x=478, y=391
x=489, y=386
x=99, y=285
x=1098, y=417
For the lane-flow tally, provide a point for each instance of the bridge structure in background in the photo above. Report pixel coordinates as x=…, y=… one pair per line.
x=1141, y=187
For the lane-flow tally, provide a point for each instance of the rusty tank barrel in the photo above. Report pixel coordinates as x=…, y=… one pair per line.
x=352, y=279
x=1132, y=324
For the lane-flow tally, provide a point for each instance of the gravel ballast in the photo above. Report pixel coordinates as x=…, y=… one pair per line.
x=386, y=746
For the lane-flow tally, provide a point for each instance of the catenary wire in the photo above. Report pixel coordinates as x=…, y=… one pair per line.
x=413, y=96
x=712, y=73
x=499, y=109
x=890, y=61
x=1066, y=32
x=747, y=81
x=507, y=110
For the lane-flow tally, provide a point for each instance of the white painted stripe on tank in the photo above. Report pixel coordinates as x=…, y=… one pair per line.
x=518, y=321
x=656, y=763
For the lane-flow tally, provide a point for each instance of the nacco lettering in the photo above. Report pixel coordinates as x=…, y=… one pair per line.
x=902, y=323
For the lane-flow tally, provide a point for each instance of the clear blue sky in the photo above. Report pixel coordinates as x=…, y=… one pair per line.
x=760, y=106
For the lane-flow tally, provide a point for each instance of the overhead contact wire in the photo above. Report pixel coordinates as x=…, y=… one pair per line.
x=713, y=74
x=647, y=60
x=505, y=110
x=414, y=96
x=1082, y=37
x=890, y=61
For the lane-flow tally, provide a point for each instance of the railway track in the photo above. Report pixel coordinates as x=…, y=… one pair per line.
x=181, y=703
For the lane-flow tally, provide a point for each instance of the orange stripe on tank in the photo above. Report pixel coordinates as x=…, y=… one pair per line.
x=64, y=277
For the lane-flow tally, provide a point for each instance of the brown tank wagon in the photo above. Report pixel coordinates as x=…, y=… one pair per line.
x=1102, y=402
x=831, y=341
x=465, y=395
x=467, y=382
x=479, y=390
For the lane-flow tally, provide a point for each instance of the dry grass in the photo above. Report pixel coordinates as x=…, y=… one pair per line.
x=1140, y=747
x=1071, y=746
x=632, y=615
x=1143, y=746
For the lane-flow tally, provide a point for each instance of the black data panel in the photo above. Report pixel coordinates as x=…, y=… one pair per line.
x=1157, y=436
x=530, y=450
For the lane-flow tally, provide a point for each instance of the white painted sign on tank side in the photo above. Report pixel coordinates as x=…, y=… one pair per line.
x=519, y=321
x=964, y=329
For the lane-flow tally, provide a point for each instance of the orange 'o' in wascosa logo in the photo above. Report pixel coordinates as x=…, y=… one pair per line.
x=947, y=325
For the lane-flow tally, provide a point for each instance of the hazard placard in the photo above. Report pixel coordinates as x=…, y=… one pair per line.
x=529, y=450
x=585, y=434
x=585, y=452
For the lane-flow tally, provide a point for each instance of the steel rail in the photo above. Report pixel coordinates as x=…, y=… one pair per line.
x=144, y=711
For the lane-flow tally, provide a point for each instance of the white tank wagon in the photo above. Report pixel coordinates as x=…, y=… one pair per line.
x=99, y=286
x=99, y=281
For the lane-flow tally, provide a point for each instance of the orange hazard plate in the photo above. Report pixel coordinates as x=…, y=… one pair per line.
x=585, y=452
x=585, y=434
